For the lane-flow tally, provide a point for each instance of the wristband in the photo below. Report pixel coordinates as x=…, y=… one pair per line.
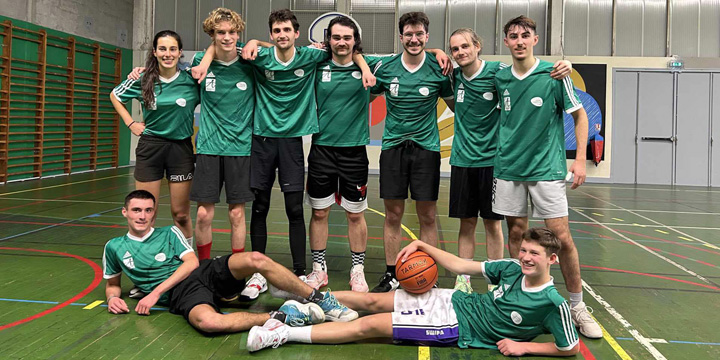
x=130, y=124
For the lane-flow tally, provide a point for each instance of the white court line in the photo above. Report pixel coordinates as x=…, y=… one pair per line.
x=626, y=324
x=650, y=211
x=650, y=189
x=675, y=229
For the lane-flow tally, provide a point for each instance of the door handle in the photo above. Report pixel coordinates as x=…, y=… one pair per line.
x=659, y=138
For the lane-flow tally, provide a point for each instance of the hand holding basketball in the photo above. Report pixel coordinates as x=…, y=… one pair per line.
x=417, y=273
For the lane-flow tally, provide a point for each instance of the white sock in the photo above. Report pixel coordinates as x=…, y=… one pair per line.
x=575, y=298
x=300, y=334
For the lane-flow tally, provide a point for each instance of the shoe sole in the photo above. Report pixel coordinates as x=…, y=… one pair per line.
x=352, y=317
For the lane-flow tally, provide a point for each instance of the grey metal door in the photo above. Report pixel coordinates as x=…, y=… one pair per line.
x=715, y=154
x=692, y=153
x=625, y=93
x=655, y=137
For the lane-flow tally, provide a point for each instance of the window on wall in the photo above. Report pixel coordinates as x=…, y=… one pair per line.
x=306, y=12
x=377, y=20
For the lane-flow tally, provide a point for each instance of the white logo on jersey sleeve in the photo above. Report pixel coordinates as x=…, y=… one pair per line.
x=488, y=96
x=241, y=85
x=181, y=102
x=537, y=101
x=516, y=317
x=299, y=72
x=424, y=91
x=357, y=75
x=160, y=257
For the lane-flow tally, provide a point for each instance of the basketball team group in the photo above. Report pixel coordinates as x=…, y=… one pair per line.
x=257, y=102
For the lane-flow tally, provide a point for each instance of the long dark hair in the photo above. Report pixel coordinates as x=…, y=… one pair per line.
x=152, y=70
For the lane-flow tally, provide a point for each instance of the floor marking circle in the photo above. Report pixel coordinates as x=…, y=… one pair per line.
x=96, y=281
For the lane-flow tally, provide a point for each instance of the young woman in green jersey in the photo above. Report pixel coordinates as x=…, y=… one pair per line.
x=168, y=97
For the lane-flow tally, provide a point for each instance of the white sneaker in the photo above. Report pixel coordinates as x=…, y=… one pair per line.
x=318, y=277
x=334, y=310
x=254, y=287
x=282, y=294
x=357, y=279
x=584, y=322
x=273, y=333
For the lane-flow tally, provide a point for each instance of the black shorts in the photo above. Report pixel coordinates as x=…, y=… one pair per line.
x=471, y=192
x=211, y=171
x=205, y=285
x=284, y=154
x=156, y=156
x=409, y=165
x=337, y=170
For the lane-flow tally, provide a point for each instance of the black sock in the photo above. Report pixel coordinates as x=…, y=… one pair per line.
x=278, y=315
x=358, y=258
x=390, y=270
x=316, y=296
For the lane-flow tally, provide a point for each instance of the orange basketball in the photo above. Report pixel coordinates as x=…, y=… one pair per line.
x=418, y=273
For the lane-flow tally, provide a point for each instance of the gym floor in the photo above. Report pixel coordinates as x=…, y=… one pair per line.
x=647, y=254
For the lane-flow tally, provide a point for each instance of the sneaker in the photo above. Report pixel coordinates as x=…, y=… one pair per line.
x=274, y=333
x=229, y=299
x=318, y=277
x=254, y=287
x=282, y=294
x=387, y=283
x=584, y=321
x=334, y=310
x=297, y=314
x=357, y=279
x=136, y=293
x=462, y=283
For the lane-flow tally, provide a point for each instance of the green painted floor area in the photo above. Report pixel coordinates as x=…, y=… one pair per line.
x=650, y=259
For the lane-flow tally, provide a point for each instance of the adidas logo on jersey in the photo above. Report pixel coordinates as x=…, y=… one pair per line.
x=128, y=260
x=326, y=74
x=394, y=87
x=506, y=100
x=210, y=74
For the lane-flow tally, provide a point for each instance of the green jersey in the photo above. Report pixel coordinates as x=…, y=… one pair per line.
x=147, y=261
x=411, y=97
x=531, y=138
x=342, y=104
x=512, y=311
x=173, y=114
x=476, y=116
x=285, y=92
x=227, y=99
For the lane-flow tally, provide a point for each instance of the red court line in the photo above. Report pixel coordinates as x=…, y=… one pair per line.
x=585, y=352
x=652, y=275
x=96, y=281
x=663, y=240
x=59, y=198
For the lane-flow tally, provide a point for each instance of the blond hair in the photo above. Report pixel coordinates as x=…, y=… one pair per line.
x=223, y=14
x=471, y=36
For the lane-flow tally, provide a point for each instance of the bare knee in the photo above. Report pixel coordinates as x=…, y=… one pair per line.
x=393, y=216
x=258, y=260
x=355, y=218
x=320, y=214
x=207, y=322
x=182, y=217
x=236, y=214
x=426, y=217
x=204, y=217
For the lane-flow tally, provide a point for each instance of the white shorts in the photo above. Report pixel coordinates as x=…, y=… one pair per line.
x=426, y=319
x=354, y=207
x=548, y=198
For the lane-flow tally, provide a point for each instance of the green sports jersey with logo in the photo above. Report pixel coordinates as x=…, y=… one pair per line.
x=411, y=97
x=476, y=116
x=512, y=311
x=147, y=261
x=342, y=104
x=285, y=92
x=227, y=99
x=173, y=114
x=531, y=137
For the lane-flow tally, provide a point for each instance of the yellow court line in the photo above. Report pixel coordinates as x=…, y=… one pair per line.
x=611, y=341
x=684, y=238
x=93, y=304
x=423, y=353
x=636, y=224
x=712, y=246
x=661, y=231
x=61, y=185
x=597, y=214
x=407, y=230
x=616, y=219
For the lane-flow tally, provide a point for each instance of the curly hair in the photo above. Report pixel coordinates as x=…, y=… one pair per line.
x=222, y=14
